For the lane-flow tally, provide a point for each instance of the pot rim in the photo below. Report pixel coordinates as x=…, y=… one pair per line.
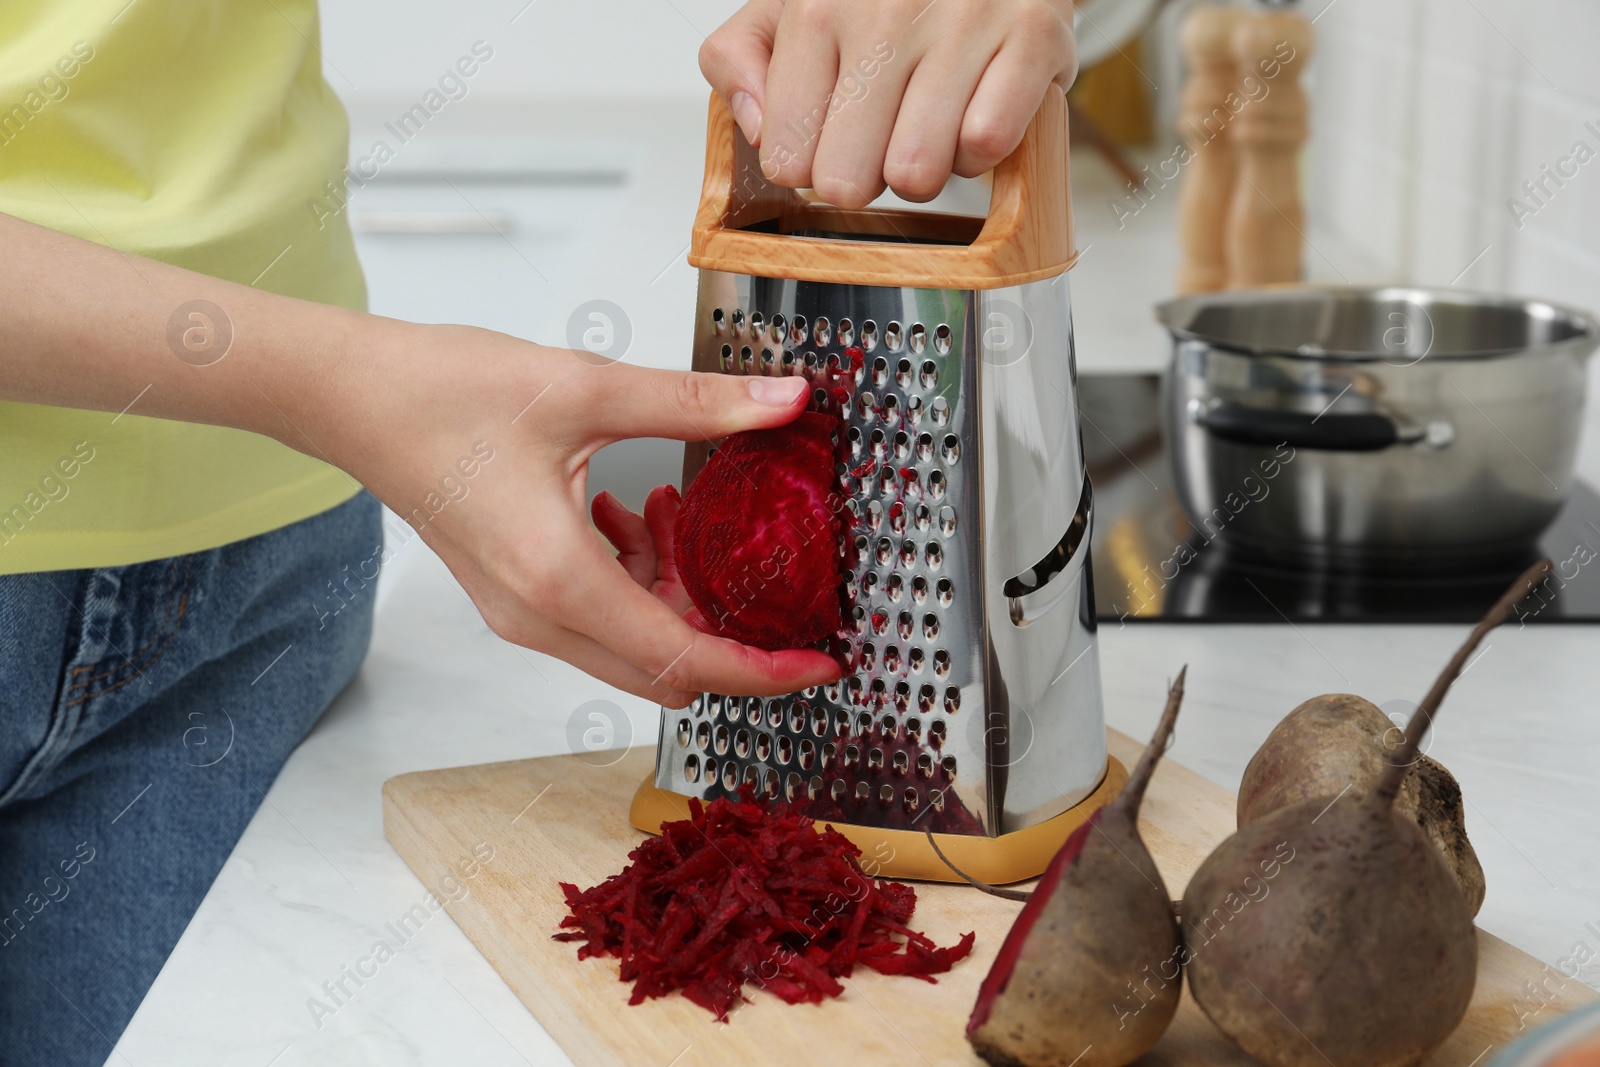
x=1169, y=313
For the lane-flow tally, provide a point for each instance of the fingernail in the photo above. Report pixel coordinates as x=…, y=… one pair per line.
x=777, y=392
x=747, y=113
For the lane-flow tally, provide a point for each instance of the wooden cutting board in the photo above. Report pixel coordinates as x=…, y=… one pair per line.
x=564, y=818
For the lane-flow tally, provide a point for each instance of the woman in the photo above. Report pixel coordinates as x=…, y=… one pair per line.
x=198, y=421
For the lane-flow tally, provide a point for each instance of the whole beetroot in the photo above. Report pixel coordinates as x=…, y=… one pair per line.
x=1338, y=740
x=1331, y=931
x=1090, y=973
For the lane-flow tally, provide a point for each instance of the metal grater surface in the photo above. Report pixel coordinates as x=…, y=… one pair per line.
x=900, y=742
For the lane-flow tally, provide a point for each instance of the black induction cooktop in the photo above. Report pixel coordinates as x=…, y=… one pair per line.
x=1139, y=527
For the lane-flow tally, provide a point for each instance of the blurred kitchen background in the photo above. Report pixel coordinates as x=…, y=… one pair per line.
x=566, y=168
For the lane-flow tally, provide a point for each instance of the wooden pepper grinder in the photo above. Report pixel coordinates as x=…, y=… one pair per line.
x=1266, y=224
x=1206, y=193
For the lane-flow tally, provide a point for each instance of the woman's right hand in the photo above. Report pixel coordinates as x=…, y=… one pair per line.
x=519, y=538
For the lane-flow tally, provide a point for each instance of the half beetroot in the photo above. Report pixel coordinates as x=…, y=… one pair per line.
x=758, y=539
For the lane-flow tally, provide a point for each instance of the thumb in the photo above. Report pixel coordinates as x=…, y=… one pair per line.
x=734, y=60
x=693, y=406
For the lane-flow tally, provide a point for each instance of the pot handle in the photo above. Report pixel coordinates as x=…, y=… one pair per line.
x=1365, y=432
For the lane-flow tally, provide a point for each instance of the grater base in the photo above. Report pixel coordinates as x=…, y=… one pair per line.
x=1012, y=857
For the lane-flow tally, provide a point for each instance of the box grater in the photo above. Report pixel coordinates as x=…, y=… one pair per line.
x=973, y=706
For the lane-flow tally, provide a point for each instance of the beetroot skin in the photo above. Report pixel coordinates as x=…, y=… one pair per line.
x=758, y=537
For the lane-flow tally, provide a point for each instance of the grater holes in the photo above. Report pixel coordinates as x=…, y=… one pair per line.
x=941, y=663
x=919, y=589
x=935, y=555
x=915, y=660
x=736, y=320
x=925, y=699
x=893, y=337
x=946, y=592
x=940, y=410
x=952, y=700
x=792, y=786
x=925, y=766
x=684, y=733
x=894, y=588
x=747, y=359
x=702, y=736
x=874, y=517
x=768, y=361
x=763, y=747
x=891, y=664
x=950, y=448
x=886, y=480
x=691, y=768
x=929, y=376
x=886, y=794
x=914, y=409
x=847, y=333
x=758, y=324
x=891, y=409
x=941, y=339
x=720, y=739
x=897, y=517
x=853, y=436
x=821, y=332
x=785, y=750
x=774, y=713
x=813, y=788
x=836, y=791
x=930, y=626
x=902, y=764
x=867, y=407
x=936, y=734
x=874, y=759
x=727, y=357
x=808, y=753
x=936, y=484
x=902, y=445
x=861, y=545
x=904, y=626
x=880, y=371
x=908, y=553
x=797, y=330
x=819, y=721
x=869, y=335
x=924, y=447
x=859, y=614
x=911, y=800
x=819, y=398
x=949, y=766
x=919, y=337
x=741, y=744
x=947, y=520
x=902, y=374
x=778, y=331
x=730, y=776
x=770, y=782
x=921, y=517
x=719, y=321
x=869, y=652
x=788, y=361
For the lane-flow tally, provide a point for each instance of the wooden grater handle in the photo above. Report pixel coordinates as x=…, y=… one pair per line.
x=747, y=225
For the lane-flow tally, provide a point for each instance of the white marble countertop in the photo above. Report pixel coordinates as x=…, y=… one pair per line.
x=313, y=883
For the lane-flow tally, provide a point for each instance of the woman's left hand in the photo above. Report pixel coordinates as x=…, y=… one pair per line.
x=847, y=97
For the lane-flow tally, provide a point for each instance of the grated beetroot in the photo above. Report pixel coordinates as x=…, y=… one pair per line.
x=758, y=540
x=747, y=891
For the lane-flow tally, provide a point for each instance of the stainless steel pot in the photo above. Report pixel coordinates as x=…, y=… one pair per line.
x=1374, y=428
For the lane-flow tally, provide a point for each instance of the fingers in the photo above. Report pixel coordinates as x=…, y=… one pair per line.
x=800, y=81
x=661, y=509
x=1009, y=93
x=625, y=401
x=922, y=150
x=602, y=604
x=848, y=167
x=734, y=60
x=629, y=535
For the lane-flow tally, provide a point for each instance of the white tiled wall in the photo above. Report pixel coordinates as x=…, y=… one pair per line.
x=1428, y=115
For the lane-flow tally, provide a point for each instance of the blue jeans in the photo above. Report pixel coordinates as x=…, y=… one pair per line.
x=144, y=712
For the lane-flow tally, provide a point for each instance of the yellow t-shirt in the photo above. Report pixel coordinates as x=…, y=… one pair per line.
x=196, y=132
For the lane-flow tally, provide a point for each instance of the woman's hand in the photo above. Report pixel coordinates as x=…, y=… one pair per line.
x=515, y=532
x=848, y=97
